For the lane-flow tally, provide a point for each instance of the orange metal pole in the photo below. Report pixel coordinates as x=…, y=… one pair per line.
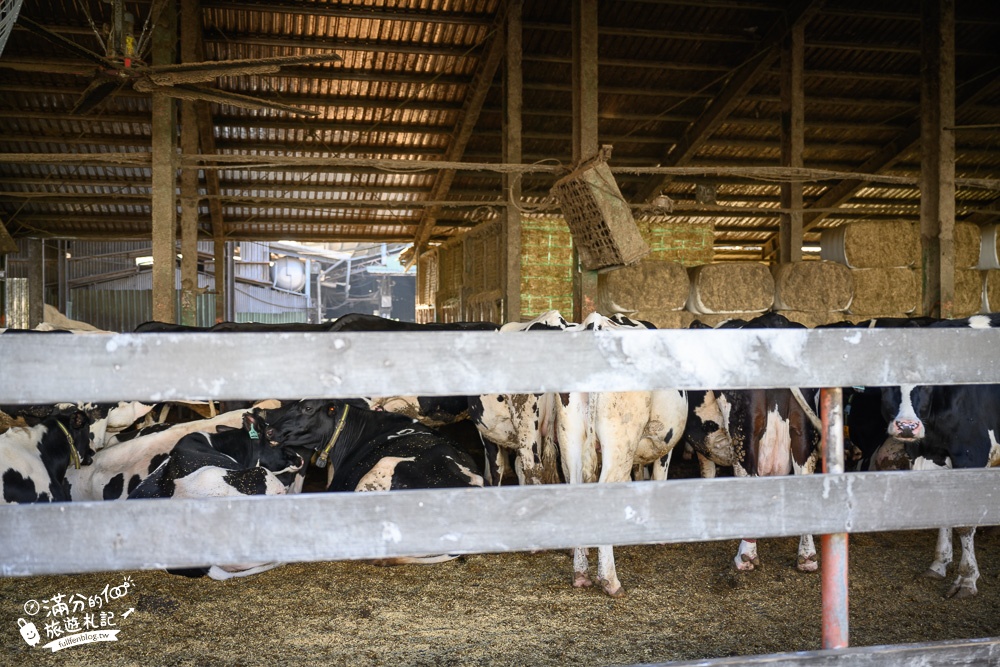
x=834, y=547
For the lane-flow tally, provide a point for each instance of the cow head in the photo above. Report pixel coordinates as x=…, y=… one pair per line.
x=307, y=423
x=905, y=408
x=75, y=425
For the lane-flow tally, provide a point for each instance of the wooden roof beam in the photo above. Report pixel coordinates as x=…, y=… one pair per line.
x=734, y=92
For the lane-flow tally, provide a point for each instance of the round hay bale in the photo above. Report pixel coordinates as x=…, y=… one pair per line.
x=730, y=287
x=967, y=242
x=992, y=291
x=968, y=292
x=884, y=292
x=989, y=247
x=814, y=287
x=869, y=245
x=652, y=284
x=666, y=319
x=813, y=319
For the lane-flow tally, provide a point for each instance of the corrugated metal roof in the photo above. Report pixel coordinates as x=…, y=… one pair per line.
x=408, y=70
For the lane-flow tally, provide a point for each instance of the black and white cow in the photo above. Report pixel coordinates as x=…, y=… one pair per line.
x=121, y=466
x=34, y=460
x=228, y=463
x=370, y=450
x=949, y=426
x=521, y=423
x=604, y=436
x=759, y=432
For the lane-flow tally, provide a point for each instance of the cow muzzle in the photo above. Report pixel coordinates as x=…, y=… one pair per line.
x=907, y=429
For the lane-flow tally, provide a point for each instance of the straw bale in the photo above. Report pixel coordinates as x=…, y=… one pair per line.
x=812, y=286
x=866, y=244
x=966, y=245
x=992, y=290
x=812, y=319
x=648, y=285
x=730, y=287
x=968, y=292
x=884, y=292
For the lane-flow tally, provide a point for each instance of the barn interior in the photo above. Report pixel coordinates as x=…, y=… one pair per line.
x=178, y=160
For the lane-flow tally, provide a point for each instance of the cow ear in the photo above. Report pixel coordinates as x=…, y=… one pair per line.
x=78, y=420
x=251, y=424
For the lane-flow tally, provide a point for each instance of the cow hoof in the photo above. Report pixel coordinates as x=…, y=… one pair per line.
x=745, y=565
x=808, y=565
x=581, y=580
x=931, y=573
x=961, y=591
x=617, y=592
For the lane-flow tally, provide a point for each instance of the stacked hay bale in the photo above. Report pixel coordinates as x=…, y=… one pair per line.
x=882, y=257
x=654, y=290
x=729, y=290
x=813, y=293
x=968, y=277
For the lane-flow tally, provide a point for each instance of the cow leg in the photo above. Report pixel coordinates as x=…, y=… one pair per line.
x=746, y=557
x=807, y=555
x=968, y=569
x=707, y=467
x=942, y=555
x=607, y=575
x=661, y=465
x=581, y=575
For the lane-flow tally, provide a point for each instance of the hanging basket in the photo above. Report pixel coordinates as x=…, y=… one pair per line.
x=599, y=218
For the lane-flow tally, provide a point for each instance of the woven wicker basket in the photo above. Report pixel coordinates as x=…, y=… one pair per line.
x=599, y=218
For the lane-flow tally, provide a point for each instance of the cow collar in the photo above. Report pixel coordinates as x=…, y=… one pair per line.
x=73, y=454
x=325, y=452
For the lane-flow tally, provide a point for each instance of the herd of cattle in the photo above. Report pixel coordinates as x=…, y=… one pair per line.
x=87, y=452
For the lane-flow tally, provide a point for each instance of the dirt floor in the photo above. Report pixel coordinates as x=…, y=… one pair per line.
x=683, y=602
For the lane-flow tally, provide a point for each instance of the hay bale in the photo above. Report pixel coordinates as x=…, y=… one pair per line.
x=885, y=292
x=989, y=247
x=730, y=287
x=967, y=241
x=813, y=287
x=992, y=291
x=968, y=292
x=868, y=245
x=649, y=285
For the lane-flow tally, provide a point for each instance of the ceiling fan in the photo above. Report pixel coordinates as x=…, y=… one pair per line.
x=122, y=65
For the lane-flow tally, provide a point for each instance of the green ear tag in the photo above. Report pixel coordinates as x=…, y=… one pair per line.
x=253, y=432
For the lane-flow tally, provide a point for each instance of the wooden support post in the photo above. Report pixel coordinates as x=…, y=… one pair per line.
x=834, y=546
x=937, y=165
x=190, y=35
x=792, y=142
x=36, y=282
x=164, y=204
x=585, y=132
x=513, y=89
